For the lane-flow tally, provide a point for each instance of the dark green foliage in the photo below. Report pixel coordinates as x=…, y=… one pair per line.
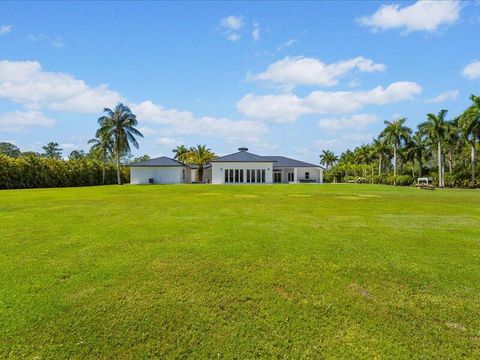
x=140, y=159
x=8, y=149
x=76, y=155
x=34, y=172
x=52, y=150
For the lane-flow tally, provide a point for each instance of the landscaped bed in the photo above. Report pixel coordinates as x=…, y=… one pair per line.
x=239, y=271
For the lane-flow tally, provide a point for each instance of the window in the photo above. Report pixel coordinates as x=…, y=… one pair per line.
x=290, y=176
x=226, y=175
x=277, y=177
x=258, y=175
x=307, y=175
x=263, y=175
x=183, y=174
x=231, y=175
x=248, y=175
x=237, y=175
x=253, y=175
x=241, y=175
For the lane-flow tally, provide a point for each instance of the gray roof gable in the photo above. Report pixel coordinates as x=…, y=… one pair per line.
x=160, y=161
x=243, y=156
x=282, y=161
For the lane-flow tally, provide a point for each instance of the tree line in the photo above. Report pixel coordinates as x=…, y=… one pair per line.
x=103, y=164
x=446, y=150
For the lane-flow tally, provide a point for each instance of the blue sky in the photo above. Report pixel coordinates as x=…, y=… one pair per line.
x=280, y=78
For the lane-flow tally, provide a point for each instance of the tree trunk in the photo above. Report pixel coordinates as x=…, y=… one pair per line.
x=200, y=173
x=420, y=167
x=474, y=165
x=440, y=164
x=380, y=160
x=119, y=179
x=395, y=164
x=103, y=170
x=450, y=162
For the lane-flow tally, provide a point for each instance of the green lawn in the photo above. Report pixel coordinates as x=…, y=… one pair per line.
x=205, y=271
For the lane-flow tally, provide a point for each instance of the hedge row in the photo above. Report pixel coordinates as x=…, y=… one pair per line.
x=38, y=172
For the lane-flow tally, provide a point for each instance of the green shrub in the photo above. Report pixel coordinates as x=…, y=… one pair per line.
x=35, y=172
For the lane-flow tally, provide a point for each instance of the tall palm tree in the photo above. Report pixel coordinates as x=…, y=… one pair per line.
x=181, y=153
x=103, y=147
x=200, y=156
x=395, y=134
x=328, y=158
x=435, y=129
x=416, y=149
x=119, y=124
x=381, y=149
x=470, y=124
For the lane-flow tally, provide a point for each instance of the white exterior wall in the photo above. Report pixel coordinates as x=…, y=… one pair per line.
x=160, y=174
x=315, y=173
x=218, y=170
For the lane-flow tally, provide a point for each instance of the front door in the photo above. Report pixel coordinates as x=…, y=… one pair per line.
x=277, y=177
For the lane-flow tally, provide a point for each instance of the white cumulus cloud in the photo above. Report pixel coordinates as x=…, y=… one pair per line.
x=232, y=22
x=288, y=107
x=5, y=29
x=424, y=15
x=179, y=123
x=17, y=121
x=472, y=70
x=256, y=31
x=354, y=122
x=311, y=71
x=444, y=96
x=26, y=83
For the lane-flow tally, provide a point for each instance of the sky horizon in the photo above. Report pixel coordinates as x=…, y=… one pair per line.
x=286, y=78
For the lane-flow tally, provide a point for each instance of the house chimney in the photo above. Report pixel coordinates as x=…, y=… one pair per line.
x=243, y=149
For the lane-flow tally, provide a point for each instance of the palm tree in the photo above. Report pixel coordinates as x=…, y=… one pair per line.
x=381, y=149
x=395, y=134
x=470, y=124
x=181, y=153
x=328, y=158
x=416, y=149
x=435, y=129
x=119, y=124
x=200, y=156
x=103, y=147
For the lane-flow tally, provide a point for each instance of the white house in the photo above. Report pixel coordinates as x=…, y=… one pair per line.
x=241, y=167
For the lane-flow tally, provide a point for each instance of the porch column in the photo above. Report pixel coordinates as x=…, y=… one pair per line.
x=321, y=175
x=295, y=175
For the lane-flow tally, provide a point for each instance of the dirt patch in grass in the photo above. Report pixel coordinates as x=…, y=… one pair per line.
x=360, y=290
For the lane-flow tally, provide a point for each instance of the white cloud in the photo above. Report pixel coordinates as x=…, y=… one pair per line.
x=256, y=31
x=341, y=143
x=472, y=70
x=232, y=23
x=286, y=44
x=147, y=131
x=185, y=123
x=234, y=37
x=422, y=16
x=5, y=29
x=26, y=83
x=288, y=107
x=17, y=121
x=54, y=40
x=311, y=71
x=355, y=122
x=444, y=96
x=169, y=141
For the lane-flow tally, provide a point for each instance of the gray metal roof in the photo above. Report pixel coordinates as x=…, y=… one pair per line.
x=243, y=156
x=282, y=161
x=160, y=161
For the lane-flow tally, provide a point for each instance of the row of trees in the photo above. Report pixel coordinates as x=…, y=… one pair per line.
x=399, y=153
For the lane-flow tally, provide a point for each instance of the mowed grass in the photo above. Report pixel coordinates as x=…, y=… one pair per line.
x=205, y=271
